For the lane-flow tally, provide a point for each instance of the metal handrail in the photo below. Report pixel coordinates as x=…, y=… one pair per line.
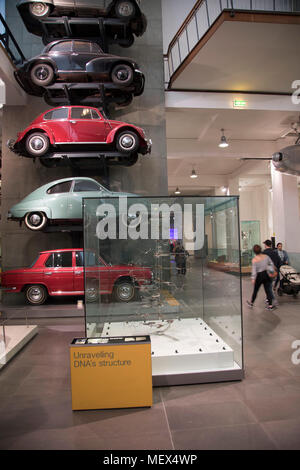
x=7, y=39
x=202, y=17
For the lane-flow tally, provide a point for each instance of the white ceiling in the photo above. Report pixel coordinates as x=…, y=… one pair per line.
x=193, y=136
x=241, y=56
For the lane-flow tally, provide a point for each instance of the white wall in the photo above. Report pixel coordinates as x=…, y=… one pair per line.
x=174, y=13
x=255, y=205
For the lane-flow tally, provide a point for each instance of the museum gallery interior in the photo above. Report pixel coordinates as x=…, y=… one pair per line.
x=150, y=154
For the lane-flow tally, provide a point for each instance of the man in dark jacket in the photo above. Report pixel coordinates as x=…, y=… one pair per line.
x=272, y=254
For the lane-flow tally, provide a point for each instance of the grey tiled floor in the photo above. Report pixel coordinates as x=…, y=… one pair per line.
x=261, y=412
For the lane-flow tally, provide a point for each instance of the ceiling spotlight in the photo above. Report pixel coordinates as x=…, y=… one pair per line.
x=194, y=174
x=223, y=142
x=177, y=191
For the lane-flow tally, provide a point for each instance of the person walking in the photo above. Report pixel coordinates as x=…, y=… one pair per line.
x=273, y=254
x=263, y=270
x=180, y=258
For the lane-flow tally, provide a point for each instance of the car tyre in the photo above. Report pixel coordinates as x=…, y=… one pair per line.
x=124, y=291
x=37, y=144
x=122, y=75
x=92, y=294
x=36, y=294
x=39, y=9
x=42, y=75
x=35, y=220
x=125, y=9
x=127, y=142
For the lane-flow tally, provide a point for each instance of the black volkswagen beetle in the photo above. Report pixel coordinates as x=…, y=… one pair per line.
x=37, y=14
x=79, y=61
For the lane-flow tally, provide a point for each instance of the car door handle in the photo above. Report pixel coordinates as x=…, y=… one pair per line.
x=78, y=273
x=74, y=53
x=73, y=122
x=48, y=274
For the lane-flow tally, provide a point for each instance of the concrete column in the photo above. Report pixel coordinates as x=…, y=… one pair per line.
x=286, y=213
x=149, y=176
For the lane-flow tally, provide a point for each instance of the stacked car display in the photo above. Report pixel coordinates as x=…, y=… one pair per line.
x=77, y=72
x=77, y=75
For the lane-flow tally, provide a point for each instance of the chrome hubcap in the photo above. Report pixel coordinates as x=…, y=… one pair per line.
x=91, y=292
x=37, y=144
x=39, y=9
x=127, y=142
x=42, y=73
x=125, y=292
x=123, y=74
x=35, y=294
x=125, y=8
x=35, y=219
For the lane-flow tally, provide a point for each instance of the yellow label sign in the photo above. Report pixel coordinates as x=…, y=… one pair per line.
x=111, y=376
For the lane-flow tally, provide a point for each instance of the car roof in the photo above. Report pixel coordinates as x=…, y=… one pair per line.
x=59, y=251
x=68, y=107
x=71, y=178
x=53, y=43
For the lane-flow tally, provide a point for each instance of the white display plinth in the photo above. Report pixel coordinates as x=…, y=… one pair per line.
x=16, y=336
x=178, y=346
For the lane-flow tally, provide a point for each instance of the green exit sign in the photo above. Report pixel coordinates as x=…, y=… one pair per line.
x=240, y=104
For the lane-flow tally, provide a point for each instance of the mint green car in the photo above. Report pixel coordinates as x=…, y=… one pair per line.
x=58, y=202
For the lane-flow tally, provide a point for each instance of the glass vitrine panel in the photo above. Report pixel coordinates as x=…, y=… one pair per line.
x=169, y=268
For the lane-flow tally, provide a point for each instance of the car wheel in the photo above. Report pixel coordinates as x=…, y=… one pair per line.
x=127, y=142
x=35, y=220
x=125, y=9
x=36, y=294
x=92, y=294
x=122, y=74
x=124, y=291
x=37, y=144
x=42, y=74
x=39, y=9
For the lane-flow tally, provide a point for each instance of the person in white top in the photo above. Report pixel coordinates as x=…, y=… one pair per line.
x=263, y=271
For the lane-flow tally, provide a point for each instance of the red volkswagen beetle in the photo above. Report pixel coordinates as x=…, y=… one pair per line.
x=60, y=273
x=76, y=128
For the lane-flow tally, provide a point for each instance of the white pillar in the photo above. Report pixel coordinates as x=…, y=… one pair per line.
x=286, y=212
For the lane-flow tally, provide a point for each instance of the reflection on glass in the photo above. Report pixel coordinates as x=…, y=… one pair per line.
x=172, y=274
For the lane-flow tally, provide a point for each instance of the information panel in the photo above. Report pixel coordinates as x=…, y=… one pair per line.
x=111, y=372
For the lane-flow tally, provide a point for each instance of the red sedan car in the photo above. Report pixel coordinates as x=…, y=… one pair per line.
x=79, y=128
x=61, y=272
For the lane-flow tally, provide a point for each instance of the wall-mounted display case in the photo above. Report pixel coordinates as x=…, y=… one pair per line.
x=149, y=271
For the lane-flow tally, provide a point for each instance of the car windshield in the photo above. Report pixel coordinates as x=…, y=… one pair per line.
x=64, y=46
x=91, y=259
x=86, y=185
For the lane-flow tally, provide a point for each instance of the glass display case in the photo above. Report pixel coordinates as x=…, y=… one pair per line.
x=151, y=269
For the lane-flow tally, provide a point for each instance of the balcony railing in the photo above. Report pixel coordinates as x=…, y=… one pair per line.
x=204, y=14
x=9, y=43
